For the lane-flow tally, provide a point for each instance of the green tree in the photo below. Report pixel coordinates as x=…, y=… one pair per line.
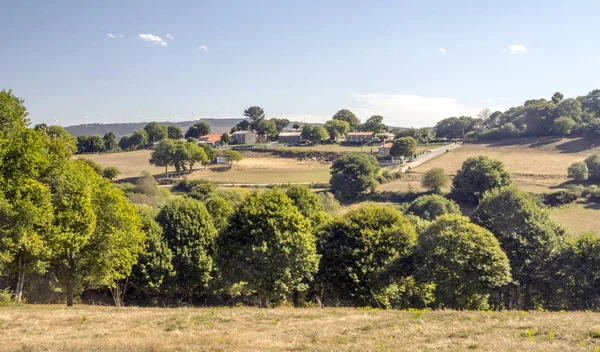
x=243, y=125
x=220, y=210
x=162, y=155
x=576, y=273
x=267, y=128
x=562, y=126
x=154, y=265
x=156, y=132
x=557, y=97
x=96, y=234
x=268, y=244
x=337, y=129
x=197, y=130
x=296, y=126
x=210, y=153
x=196, y=154
x=59, y=142
x=432, y=206
x=280, y=123
x=124, y=143
x=570, y=108
x=232, y=156
x=256, y=114
x=479, y=175
x=435, y=179
x=374, y=124
x=348, y=116
x=352, y=174
x=94, y=165
x=360, y=250
x=225, y=138
x=110, y=142
x=593, y=165
x=578, y=171
x=110, y=173
x=181, y=155
x=138, y=140
x=463, y=260
x=405, y=146
x=189, y=232
x=308, y=203
x=528, y=235
x=174, y=132
x=455, y=127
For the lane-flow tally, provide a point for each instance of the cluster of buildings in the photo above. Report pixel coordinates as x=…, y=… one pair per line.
x=293, y=138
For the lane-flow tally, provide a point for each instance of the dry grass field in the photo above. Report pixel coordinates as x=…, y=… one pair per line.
x=535, y=165
x=131, y=164
x=347, y=149
x=579, y=217
x=89, y=328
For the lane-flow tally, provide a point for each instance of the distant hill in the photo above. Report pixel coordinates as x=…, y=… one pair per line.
x=124, y=129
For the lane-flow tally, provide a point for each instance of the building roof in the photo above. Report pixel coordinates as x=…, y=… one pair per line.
x=210, y=138
x=290, y=134
x=366, y=134
x=241, y=132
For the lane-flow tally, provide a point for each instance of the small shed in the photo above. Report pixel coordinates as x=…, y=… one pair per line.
x=290, y=137
x=243, y=137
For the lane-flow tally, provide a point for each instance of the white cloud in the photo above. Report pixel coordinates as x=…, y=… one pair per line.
x=110, y=35
x=443, y=51
x=153, y=39
x=516, y=49
x=202, y=47
x=406, y=110
x=169, y=36
x=120, y=35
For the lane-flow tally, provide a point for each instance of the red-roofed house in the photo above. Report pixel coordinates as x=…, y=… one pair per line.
x=212, y=139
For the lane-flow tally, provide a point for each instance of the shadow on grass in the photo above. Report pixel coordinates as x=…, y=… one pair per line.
x=577, y=145
x=592, y=205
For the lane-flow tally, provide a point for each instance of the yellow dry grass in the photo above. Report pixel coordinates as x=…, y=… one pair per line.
x=131, y=164
x=579, y=217
x=535, y=165
x=88, y=328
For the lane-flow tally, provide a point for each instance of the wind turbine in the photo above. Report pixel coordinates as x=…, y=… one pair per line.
x=193, y=114
x=87, y=118
x=103, y=117
x=55, y=120
x=174, y=116
x=138, y=116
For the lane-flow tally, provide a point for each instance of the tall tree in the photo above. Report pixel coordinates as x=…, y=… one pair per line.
x=174, y=132
x=374, y=124
x=196, y=154
x=162, y=155
x=156, y=132
x=189, y=232
x=337, y=129
x=353, y=173
x=348, y=116
x=281, y=123
x=197, y=130
x=110, y=142
x=256, y=114
x=405, y=146
x=268, y=244
x=479, y=175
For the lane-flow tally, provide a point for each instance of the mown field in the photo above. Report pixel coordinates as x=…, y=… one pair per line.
x=94, y=328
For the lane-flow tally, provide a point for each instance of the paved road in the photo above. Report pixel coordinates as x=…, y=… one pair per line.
x=426, y=157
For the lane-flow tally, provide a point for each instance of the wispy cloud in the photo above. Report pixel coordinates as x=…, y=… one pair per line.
x=110, y=35
x=202, y=47
x=153, y=39
x=516, y=49
x=405, y=110
x=120, y=35
x=169, y=36
x=443, y=51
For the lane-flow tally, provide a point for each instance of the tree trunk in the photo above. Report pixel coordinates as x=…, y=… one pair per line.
x=20, y=278
x=166, y=171
x=69, y=294
x=296, y=299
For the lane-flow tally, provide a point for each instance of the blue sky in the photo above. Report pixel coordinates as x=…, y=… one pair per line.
x=295, y=59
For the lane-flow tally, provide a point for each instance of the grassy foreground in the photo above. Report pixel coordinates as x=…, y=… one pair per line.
x=93, y=328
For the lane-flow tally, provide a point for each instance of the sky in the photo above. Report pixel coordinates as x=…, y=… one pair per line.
x=414, y=62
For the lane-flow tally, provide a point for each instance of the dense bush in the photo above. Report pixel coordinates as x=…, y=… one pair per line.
x=479, y=175
x=352, y=174
x=431, y=206
x=463, y=260
x=578, y=171
x=435, y=179
x=593, y=165
x=559, y=198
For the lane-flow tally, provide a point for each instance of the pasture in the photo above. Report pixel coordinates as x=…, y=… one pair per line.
x=94, y=328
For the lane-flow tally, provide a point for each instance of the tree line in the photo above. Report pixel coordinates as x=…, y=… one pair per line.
x=557, y=116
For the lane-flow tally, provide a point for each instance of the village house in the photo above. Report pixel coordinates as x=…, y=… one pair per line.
x=360, y=137
x=290, y=137
x=384, y=150
x=243, y=137
x=212, y=139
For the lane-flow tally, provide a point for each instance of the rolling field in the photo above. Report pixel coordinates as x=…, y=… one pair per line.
x=131, y=164
x=579, y=217
x=535, y=165
x=93, y=328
